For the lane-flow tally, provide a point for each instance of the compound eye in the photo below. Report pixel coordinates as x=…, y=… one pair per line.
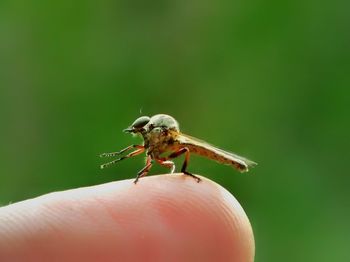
x=140, y=122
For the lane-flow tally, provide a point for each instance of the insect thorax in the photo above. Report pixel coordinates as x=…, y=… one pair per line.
x=159, y=140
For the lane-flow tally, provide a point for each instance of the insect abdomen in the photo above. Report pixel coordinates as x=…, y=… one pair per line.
x=218, y=156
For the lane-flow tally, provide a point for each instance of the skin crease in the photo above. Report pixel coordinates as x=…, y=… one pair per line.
x=162, y=218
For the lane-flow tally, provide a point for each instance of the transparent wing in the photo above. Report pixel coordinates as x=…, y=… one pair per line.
x=205, y=149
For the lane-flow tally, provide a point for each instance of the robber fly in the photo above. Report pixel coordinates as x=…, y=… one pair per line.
x=161, y=135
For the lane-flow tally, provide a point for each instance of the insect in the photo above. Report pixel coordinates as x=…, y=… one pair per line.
x=161, y=135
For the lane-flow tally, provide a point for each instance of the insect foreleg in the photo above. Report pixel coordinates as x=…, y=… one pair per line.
x=121, y=151
x=134, y=153
x=145, y=170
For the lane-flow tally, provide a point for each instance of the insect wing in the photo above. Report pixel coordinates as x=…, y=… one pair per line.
x=205, y=149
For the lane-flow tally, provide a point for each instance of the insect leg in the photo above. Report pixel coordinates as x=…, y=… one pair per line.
x=144, y=171
x=134, y=153
x=167, y=163
x=185, y=151
x=121, y=151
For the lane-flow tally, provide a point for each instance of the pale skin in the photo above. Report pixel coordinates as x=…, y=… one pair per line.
x=163, y=218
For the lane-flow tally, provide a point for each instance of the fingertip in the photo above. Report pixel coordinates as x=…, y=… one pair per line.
x=161, y=218
x=209, y=214
x=179, y=215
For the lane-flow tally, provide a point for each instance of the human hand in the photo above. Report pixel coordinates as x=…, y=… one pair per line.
x=162, y=218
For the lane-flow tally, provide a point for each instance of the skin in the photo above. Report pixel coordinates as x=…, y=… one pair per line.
x=162, y=218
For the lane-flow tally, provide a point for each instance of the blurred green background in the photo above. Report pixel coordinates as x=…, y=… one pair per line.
x=266, y=79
